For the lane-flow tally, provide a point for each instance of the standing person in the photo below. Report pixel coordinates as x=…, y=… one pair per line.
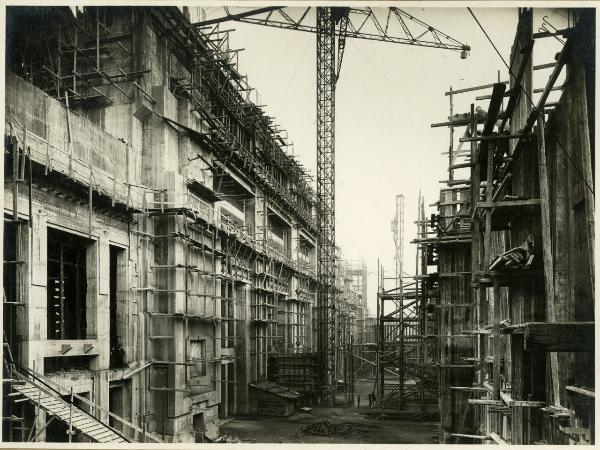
x=358, y=400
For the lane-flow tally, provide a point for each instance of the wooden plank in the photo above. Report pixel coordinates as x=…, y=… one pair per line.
x=497, y=439
x=588, y=392
x=493, y=137
x=544, y=66
x=506, y=398
x=485, y=402
x=474, y=88
x=92, y=427
x=470, y=436
x=490, y=121
x=496, y=338
x=561, y=61
x=468, y=388
x=517, y=90
x=547, y=250
x=478, y=291
x=560, y=337
x=457, y=123
x=510, y=203
x=586, y=161
x=489, y=171
x=81, y=421
x=103, y=434
x=519, y=376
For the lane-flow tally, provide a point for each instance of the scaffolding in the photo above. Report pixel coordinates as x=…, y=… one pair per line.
x=502, y=237
x=202, y=271
x=79, y=56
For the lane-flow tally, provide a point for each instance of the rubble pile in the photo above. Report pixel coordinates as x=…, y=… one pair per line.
x=326, y=428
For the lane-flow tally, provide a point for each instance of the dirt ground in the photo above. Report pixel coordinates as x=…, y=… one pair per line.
x=355, y=426
x=360, y=430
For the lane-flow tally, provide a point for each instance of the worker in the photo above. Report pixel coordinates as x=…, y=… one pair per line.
x=358, y=401
x=370, y=400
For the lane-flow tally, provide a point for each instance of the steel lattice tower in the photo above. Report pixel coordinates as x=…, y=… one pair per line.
x=398, y=233
x=326, y=196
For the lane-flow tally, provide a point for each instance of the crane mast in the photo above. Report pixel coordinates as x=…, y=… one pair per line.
x=326, y=81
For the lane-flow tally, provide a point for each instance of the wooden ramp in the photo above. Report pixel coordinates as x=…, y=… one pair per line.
x=81, y=421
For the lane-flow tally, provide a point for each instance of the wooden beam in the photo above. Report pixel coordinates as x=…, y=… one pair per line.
x=556, y=336
x=560, y=337
x=498, y=348
x=517, y=90
x=457, y=123
x=474, y=88
x=506, y=398
x=547, y=250
x=468, y=388
x=497, y=439
x=582, y=391
x=583, y=131
x=544, y=66
x=459, y=166
x=485, y=402
x=509, y=203
x=493, y=137
x=470, y=436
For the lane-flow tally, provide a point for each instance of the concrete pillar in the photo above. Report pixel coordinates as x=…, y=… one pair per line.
x=242, y=364
x=224, y=391
x=32, y=318
x=177, y=282
x=97, y=310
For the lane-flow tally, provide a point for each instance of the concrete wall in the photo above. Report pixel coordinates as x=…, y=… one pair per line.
x=134, y=158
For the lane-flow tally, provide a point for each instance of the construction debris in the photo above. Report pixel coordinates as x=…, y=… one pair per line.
x=516, y=258
x=227, y=439
x=327, y=428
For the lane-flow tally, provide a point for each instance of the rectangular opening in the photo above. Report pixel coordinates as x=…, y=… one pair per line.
x=61, y=363
x=117, y=304
x=279, y=234
x=116, y=406
x=67, y=285
x=230, y=293
x=198, y=356
x=230, y=388
x=198, y=424
x=79, y=403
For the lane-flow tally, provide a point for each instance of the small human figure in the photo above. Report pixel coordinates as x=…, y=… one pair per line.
x=358, y=400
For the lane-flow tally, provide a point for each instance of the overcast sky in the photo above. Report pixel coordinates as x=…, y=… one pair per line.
x=386, y=98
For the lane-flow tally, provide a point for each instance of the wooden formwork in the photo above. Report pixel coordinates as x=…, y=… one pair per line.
x=524, y=269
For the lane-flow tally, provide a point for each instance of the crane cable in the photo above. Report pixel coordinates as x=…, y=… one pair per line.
x=532, y=104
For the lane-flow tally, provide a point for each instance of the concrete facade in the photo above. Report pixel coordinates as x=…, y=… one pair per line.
x=194, y=228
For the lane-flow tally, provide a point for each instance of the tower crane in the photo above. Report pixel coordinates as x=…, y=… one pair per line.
x=333, y=26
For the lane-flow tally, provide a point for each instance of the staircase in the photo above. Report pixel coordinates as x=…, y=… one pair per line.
x=43, y=396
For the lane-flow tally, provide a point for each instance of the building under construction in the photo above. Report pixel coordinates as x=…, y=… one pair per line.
x=159, y=239
x=168, y=264
x=497, y=324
